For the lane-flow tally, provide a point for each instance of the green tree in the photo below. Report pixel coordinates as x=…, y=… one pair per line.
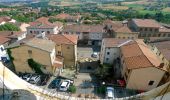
x=9, y=27
x=35, y=66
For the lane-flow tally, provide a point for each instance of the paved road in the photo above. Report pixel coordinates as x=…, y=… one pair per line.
x=86, y=52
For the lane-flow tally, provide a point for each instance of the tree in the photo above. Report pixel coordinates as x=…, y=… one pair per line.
x=52, y=20
x=159, y=16
x=9, y=27
x=35, y=66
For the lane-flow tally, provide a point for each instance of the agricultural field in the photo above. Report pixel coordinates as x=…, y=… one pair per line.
x=166, y=9
x=64, y=3
x=113, y=7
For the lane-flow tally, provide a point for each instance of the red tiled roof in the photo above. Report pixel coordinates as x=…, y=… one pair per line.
x=63, y=39
x=146, y=23
x=44, y=23
x=10, y=34
x=83, y=28
x=164, y=48
x=5, y=19
x=138, y=55
x=112, y=42
x=123, y=29
x=3, y=39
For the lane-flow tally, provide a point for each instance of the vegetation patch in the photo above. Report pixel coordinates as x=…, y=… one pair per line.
x=72, y=89
x=9, y=27
x=35, y=66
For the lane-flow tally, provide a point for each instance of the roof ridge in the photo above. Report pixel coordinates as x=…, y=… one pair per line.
x=143, y=52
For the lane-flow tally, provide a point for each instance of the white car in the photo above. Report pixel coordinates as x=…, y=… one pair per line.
x=64, y=85
x=27, y=77
x=110, y=93
x=95, y=54
x=34, y=79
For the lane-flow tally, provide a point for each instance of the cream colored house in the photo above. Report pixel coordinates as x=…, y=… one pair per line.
x=141, y=68
x=66, y=47
x=110, y=49
x=125, y=33
x=40, y=50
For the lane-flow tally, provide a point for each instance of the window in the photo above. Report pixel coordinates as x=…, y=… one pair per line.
x=59, y=52
x=151, y=29
x=2, y=49
x=48, y=32
x=107, y=59
x=140, y=29
x=159, y=35
x=146, y=29
x=150, y=82
x=68, y=47
x=30, y=31
x=77, y=33
x=108, y=53
x=30, y=52
x=164, y=35
x=156, y=30
x=168, y=35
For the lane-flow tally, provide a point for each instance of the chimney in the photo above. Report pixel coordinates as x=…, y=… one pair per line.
x=161, y=65
x=12, y=33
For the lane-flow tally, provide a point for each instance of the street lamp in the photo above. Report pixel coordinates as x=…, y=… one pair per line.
x=103, y=83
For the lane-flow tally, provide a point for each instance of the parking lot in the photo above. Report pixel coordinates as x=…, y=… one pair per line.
x=86, y=52
x=36, y=79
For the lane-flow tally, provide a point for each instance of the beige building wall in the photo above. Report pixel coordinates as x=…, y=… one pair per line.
x=68, y=52
x=139, y=78
x=21, y=56
x=126, y=35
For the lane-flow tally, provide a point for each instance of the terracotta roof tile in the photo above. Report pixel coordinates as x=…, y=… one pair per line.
x=138, y=55
x=112, y=42
x=3, y=39
x=42, y=44
x=123, y=29
x=83, y=28
x=63, y=39
x=5, y=19
x=146, y=23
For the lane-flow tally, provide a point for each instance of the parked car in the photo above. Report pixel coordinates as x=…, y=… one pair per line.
x=110, y=93
x=27, y=77
x=43, y=80
x=64, y=85
x=55, y=84
x=95, y=55
x=34, y=79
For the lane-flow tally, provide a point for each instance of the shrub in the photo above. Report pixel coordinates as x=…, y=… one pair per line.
x=72, y=89
x=9, y=27
x=101, y=90
x=35, y=66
